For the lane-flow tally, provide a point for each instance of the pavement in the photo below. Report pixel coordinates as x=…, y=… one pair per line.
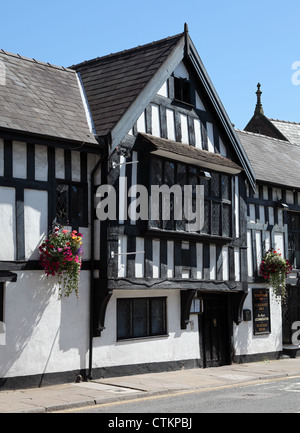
x=107, y=391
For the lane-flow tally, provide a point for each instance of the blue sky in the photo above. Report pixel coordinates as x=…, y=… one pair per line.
x=240, y=42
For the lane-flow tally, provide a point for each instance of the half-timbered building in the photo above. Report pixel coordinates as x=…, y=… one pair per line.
x=166, y=295
x=47, y=154
x=84, y=147
x=273, y=147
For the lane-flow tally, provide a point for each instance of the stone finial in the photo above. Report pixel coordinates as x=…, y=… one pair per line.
x=258, y=108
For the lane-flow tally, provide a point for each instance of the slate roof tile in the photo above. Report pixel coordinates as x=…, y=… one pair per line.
x=274, y=161
x=113, y=82
x=41, y=99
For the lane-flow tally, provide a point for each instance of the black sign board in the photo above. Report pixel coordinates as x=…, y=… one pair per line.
x=261, y=311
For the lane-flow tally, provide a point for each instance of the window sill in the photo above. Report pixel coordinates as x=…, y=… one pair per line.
x=142, y=338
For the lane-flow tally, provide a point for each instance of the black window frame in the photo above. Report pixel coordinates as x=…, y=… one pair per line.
x=148, y=301
x=182, y=90
x=72, y=219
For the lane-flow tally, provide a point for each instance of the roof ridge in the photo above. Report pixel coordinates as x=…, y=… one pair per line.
x=127, y=51
x=284, y=121
x=266, y=136
x=38, y=62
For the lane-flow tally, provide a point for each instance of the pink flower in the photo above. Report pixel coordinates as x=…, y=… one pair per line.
x=65, y=231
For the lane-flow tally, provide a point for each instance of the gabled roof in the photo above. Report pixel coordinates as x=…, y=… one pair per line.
x=290, y=130
x=120, y=86
x=41, y=99
x=112, y=83
x=274, y=161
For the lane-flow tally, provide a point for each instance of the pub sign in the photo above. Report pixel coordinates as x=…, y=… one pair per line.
x=261, y=311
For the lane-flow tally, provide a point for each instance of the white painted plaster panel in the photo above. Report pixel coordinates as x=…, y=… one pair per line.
x=252, y=213
x=170, y=124
x=249, y=253
x=19, y=150
x=210, y=137
x=122, y=191
x=156, y=258
x=163, y=91
x=279, y=242
x=139, y=258
x=1, y=157
x=35, y=221
x=237, y=268
x=170, y=259
x=199, y=253
x=237, y=207
x=181, y=71
x=133, y=184
x=75, y=164
x=225, y=262
x=198, y=137
x=184, y=129
x=212, y=263
x=141, y=123
x=122, y=257
x=259, y=252
x=59, y=163
x=199, y=103
x=7, y=224
x=261, y=214
x=155, y=120
x=41, y=163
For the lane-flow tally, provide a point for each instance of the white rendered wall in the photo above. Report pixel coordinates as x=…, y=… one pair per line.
x=246, y=343
x=44, y=334
x=178, y=345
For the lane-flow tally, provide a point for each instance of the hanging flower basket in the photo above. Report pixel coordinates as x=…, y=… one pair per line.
x=61, y=256
x=274, y=269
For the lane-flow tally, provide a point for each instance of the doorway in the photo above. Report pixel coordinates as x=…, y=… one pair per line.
x=214, y=330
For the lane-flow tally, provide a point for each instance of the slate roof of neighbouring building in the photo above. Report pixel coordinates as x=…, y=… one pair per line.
x=273, y=160
x=290, y=130
x=114, y=81
x=42, y=99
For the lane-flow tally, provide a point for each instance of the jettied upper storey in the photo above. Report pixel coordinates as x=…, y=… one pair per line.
x=120, y=86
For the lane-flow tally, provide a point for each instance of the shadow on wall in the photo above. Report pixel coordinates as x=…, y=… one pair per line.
x=40, y=329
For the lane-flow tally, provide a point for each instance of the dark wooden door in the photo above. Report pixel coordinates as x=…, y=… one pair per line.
x=215, y=331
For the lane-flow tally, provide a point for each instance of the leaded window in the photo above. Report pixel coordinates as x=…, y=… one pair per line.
x=71, y=203
x=141, y=317
x=217, y=197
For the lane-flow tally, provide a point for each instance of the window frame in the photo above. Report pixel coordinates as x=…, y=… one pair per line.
x=182, y=90
x=71, y=220
x=149, y=324
x=209, y=198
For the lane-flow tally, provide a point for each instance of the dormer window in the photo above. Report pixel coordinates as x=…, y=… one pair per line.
x=182, y=90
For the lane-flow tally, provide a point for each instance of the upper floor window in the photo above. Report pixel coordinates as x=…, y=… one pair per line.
x=182, y=90
x=217, y=197
x=294, y=239
x=71, y=203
